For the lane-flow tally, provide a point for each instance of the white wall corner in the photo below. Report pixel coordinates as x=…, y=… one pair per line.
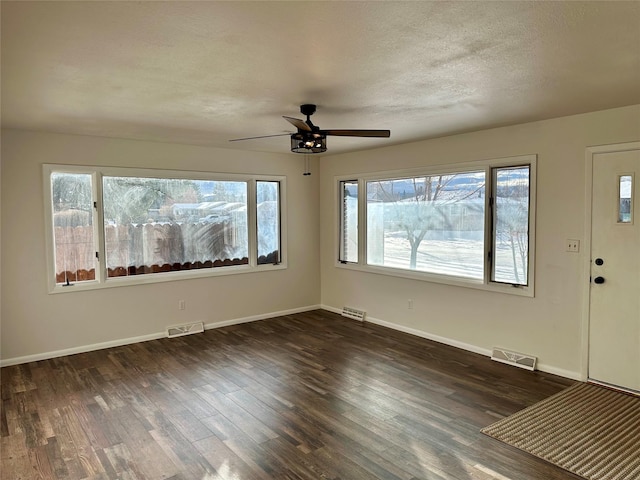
x=255, y=318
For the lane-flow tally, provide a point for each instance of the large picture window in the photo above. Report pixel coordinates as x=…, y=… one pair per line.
x=464, y=224
x=154, y=222
x=156, y=225
x=428, y=223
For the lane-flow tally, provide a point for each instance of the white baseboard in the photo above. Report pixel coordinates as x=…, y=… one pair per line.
x=561, y=372
x=262, y=316
x=455, y=343
x=143, y=338
x=236, y=321
x=331, y=309
x=81, y=349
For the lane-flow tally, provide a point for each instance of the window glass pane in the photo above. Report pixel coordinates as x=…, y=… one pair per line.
x=624, y=205
x=157, y=225
x=511, y=225
x=349, y=222
x=268, y=218
x=431, y=224
x=75, y=254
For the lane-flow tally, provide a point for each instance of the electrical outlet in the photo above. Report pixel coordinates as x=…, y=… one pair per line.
x=410, y=304
x=182, y=304
x=573, y=245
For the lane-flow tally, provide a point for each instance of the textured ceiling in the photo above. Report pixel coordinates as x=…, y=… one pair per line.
x=206, y=72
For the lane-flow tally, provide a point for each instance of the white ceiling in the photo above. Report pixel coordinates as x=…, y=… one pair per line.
x=206, y=72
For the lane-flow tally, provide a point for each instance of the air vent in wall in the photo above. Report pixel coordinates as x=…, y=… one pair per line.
x=513, y=358
x=186, y=329
x=353, y=313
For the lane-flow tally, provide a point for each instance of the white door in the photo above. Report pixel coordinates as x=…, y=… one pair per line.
x=614, y=316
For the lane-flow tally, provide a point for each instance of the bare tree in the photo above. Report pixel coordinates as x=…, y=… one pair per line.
x=512, y=228
x=417, y=211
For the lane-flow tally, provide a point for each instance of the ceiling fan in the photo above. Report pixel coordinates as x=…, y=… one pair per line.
x=311, y=139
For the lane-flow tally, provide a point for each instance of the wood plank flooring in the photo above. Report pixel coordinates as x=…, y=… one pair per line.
x=306, y=396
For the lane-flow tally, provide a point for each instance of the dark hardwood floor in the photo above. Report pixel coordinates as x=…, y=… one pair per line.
x=306, y=396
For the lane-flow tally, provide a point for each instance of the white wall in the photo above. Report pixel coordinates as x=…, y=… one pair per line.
x=35, y=323
x=549, y=325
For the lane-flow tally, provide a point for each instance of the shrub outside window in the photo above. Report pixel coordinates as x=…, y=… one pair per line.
x=466, y=224
x=155, y=222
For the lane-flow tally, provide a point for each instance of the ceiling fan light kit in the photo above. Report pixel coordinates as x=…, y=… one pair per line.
x=308, y=143
x=310, y=138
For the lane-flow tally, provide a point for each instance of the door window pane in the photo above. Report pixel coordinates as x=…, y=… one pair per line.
x=268, y=218
x=155, y=225
x=431, y=224
x=625, y=203
x=511, y=225
x=73, y=236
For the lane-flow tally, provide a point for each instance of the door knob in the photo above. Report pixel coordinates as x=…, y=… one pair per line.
x=598, y=280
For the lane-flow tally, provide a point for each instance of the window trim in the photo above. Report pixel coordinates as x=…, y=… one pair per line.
x=102, y=281
x=485, y=165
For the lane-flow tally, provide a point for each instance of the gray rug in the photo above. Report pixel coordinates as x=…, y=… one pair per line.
x=588, y=430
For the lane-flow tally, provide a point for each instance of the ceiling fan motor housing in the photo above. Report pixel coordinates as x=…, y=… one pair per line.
x=307, y=109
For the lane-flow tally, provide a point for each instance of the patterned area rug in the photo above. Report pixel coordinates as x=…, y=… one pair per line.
x=588, y=430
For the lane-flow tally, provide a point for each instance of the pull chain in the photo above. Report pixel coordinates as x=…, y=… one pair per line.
x=306, y=165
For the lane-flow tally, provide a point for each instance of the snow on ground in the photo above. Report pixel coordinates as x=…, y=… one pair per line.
x=456, y=257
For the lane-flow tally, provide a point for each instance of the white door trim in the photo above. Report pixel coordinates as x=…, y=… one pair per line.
x=586, y=284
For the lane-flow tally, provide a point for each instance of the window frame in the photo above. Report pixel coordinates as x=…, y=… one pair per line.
x=494, y=225
x=487, y=166
x=101, y=278
x=279, y=228
x=342, y=213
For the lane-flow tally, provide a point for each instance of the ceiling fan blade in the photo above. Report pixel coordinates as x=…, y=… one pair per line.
x=299, y=124
x=358, y=133
x=262, y=136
